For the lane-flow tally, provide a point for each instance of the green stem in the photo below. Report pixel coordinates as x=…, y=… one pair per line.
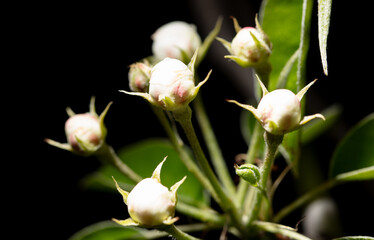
x=107, y=155
x=205, y=215
x=279, y=229
x=272, y=142
x=218, y=161
x=307, y=197
x=176, y=232
x=184, y=118
x=184, y=156
x=253, y=150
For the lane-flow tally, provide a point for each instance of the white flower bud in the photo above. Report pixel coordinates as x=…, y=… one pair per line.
x=250, y=45
x=139, y=75
x=84, y=132
x=172, y=84
x=279, y=111
x=150, y=203
x=175, y=40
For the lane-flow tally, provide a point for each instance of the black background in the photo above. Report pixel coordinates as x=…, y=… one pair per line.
x=62, y=54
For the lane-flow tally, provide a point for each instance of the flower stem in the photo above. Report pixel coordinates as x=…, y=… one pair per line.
x=218, y=161
x=279, y=229
x=184, y=156
x=184, y=118
x=253, y=150
x=107, y=155
x=176, y=232
x=272, y=142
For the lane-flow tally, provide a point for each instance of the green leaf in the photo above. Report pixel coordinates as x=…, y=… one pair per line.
x=143, y=157
x=324, y=12
x=109, y=230
x=356, y=175
x=282, y=22
x=353, y=159
x=355, y=238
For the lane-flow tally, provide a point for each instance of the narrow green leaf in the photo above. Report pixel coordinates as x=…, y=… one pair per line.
x=356, y=175
x=355, y=238
x=354, y=156
x=324, y=12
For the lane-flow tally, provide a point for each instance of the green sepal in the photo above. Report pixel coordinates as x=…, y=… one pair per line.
x=127, y=222
x=240, y=61
x=225, y=43
x=121, y=191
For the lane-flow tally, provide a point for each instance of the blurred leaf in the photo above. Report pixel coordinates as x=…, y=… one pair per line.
x=143, y=157
x=109, y=230
x=282, y=22
x=355, y=238
x=354, y=157
x=316, y=128
x=283, y=75
x=324, y=12
x=356, y=175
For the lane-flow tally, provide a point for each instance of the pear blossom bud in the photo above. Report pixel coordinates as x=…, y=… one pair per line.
x=172, y=84
x=150, y=203
x=175, y=40
x=139, y=75
x=84, y=132
x=279, y=111
x=251, y=45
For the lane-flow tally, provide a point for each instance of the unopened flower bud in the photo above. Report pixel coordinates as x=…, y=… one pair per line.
x=249, y=44
x=150, y=203
x=249, y=173
x=279, y=111
x=172, y=84
x=250, y=47
x=175, y=40
x=85, y=132
x=139, y=75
